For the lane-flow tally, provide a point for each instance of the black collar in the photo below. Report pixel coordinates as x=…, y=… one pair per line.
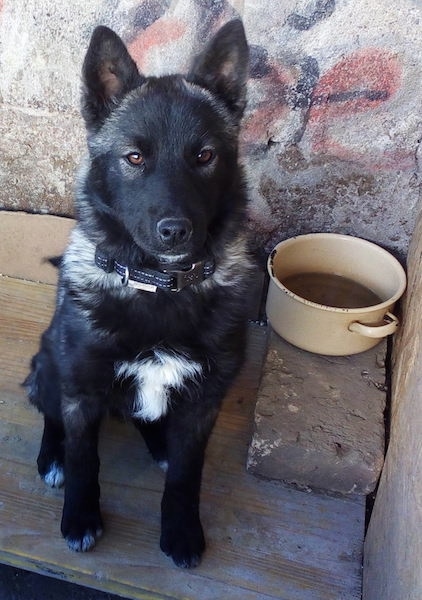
x=149, y=280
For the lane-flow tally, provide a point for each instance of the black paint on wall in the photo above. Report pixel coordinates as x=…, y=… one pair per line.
x=323, y=9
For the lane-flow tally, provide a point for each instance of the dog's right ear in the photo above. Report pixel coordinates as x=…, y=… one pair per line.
x=109, y=73
x=223, y=66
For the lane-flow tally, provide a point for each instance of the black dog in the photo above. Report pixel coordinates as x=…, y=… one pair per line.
x=150, y=314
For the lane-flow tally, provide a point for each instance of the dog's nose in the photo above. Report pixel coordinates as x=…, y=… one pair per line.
x=173, y=232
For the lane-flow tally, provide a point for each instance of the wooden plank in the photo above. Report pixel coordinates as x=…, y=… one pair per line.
x=393, y=547
x=263, y=539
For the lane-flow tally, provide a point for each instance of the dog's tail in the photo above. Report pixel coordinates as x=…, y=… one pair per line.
x=56, y=261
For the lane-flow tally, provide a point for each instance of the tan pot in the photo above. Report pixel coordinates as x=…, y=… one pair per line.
x=327, y=329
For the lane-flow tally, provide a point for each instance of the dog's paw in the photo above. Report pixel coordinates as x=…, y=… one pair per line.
x=81, y=533
x=53, y=475
x=82, y=544
x=185, y=545
x=163, y=464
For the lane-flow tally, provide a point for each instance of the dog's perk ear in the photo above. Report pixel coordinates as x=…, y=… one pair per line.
x=108, y=74
x=223, y=67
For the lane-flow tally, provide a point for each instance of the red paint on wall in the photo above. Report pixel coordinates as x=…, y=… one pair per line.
x=360, y=82
x=161, y=32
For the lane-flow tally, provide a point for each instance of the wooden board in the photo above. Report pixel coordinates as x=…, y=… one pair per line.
x=264, y=541
x=28, y=241
x=393, y=547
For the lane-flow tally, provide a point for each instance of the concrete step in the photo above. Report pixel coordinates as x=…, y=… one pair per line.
x=319, y=420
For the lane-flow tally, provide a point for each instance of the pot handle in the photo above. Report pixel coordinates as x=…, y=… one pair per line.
x=391, y=324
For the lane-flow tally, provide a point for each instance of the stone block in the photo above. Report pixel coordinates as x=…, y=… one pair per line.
x=39, y=152
x=319, y=420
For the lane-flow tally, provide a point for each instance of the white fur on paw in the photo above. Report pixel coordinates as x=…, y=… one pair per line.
x=55, y=476
x=85, y=544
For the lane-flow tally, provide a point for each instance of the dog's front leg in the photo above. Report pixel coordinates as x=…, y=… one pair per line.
x=182, y=536
x=81, y=520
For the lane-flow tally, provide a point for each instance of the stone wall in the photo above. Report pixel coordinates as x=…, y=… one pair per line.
x=331, y=135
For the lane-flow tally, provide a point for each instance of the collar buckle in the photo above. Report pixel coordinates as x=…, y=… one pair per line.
x=189, y=277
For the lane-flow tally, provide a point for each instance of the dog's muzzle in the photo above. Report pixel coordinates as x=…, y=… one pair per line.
x=150, y=280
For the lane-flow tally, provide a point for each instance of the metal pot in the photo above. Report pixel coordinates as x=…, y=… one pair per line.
x=333, y=330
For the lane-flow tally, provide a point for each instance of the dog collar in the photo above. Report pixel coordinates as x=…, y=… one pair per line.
x=150, y=280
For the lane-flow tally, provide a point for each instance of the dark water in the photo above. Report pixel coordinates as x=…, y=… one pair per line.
x=331, y=290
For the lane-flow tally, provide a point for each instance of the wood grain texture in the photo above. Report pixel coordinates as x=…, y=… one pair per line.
x=393, y=547
x=264, y=541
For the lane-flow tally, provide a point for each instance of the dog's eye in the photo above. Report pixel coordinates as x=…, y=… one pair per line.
x=135, y=158
x=205, y=156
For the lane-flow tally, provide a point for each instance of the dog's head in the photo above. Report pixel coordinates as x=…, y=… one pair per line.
x=163, y=151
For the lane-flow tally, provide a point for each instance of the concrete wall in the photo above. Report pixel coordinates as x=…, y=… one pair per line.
x=334, y=121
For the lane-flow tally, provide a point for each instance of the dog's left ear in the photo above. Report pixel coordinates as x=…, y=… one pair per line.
x=223, y=67
x=109, y=73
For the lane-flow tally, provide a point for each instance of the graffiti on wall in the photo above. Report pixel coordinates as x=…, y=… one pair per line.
x=361, y=82
x=331, y=129
x=295, y=100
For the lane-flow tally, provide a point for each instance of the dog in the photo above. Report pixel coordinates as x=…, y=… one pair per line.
x=150, y=315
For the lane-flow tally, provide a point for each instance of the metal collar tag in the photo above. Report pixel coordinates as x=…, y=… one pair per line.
x=138, y=285
x=146, y=287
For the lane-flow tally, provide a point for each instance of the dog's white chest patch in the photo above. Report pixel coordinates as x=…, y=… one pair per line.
x=154, y=378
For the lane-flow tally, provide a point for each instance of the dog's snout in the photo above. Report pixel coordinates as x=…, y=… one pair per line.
x=173, y=232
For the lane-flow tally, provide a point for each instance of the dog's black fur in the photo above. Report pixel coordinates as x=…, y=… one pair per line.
x=160, y=188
